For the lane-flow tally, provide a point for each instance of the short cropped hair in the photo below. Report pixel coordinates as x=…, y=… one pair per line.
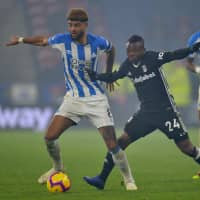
x=135, y=38
x=77, y=14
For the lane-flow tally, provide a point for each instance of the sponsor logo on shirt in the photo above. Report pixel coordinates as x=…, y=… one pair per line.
x=145, y=77
x=160, y=56
x=76, y=63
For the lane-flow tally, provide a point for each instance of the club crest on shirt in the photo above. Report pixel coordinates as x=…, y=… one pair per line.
x=160, y=56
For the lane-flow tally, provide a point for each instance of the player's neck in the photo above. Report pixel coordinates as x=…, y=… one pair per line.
x=82, y=40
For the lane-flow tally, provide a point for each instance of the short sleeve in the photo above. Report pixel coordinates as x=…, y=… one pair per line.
x=192, y=40
x=56, y=40
x=104, y=44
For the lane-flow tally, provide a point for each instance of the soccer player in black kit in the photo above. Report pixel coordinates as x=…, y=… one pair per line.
x=157, y=109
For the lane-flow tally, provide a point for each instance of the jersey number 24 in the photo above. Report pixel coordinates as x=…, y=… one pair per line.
x=171, y=125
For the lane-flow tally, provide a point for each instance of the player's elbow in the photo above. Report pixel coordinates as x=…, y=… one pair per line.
x=44, y=44
x=113, y=50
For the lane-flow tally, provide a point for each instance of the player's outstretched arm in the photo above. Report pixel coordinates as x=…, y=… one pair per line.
x=36, y=40
x=109, y=77
x=179, y=54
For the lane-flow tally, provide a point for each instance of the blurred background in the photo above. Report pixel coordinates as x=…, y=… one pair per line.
x=31, y=78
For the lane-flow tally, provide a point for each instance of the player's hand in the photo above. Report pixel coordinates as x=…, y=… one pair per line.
x=14, y=40
x=111, y=86
x=196, y=47
x=92, y=74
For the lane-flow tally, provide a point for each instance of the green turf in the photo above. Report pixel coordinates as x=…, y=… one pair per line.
x=161, y=171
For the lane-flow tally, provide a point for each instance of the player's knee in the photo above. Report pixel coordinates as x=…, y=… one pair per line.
x=50, y=137
x=109, y=137
x=186, y=147
x=112, y=145
x=122, y=143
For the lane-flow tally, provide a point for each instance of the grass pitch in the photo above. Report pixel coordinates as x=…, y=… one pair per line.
x=160, y=170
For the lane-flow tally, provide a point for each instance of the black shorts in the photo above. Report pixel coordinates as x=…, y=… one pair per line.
x=167, y=120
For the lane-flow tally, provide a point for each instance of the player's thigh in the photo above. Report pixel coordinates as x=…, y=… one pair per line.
x=171, y=124
x=109, y=136
x=139, y=126
x=57, y=126
x=70, y=108
x=98, y=112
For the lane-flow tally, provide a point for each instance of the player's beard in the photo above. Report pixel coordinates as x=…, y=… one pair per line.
x=79, y=36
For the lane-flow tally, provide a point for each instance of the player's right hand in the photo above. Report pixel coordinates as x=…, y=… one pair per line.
x=196, y=47
x=111, y=86
x=14, y=40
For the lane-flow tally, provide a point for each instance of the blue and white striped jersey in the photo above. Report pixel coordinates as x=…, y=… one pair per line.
x=76, y=57
x=194, y=38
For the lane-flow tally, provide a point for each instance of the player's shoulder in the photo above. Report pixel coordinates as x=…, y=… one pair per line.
x=96, y=38
x=60, y=37
x=154, y=55
x=92, y=36
x=195, y=37
x=150, y=53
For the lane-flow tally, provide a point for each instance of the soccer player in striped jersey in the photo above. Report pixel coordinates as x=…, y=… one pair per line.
x=84, y=98
x=157, y=109
x=192, y=65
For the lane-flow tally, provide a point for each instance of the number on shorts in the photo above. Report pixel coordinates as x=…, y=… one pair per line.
x=109, y=113
x=172, y=125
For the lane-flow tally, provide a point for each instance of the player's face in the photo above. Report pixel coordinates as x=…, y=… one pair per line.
x=135, y=51
x=77, y=29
